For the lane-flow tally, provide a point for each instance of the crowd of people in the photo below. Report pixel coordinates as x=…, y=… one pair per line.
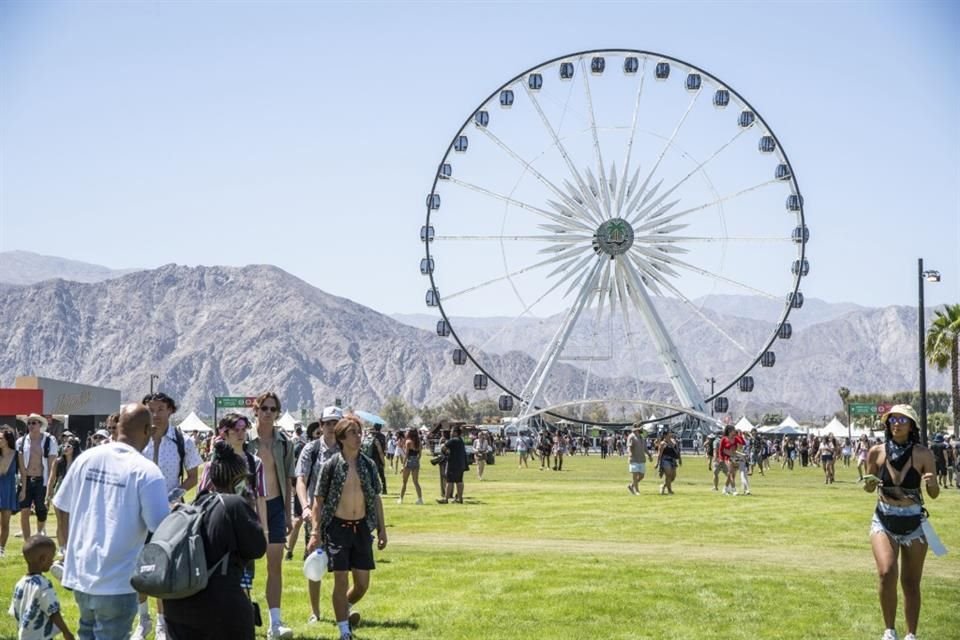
x=261, y=486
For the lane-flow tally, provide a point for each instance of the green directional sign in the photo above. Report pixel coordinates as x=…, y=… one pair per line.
x=234, y=402
x=863, y=408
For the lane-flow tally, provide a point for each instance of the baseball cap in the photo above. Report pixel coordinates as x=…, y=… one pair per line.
x=330, y=414
x=102, y=433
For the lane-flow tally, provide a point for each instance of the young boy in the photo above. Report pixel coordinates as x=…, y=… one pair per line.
x=35, y=605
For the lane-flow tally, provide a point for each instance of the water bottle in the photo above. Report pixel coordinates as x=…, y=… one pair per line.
x=315, y=565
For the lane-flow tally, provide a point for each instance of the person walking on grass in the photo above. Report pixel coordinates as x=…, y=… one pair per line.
x=522, y=450
x=347, y=509
x=481, y=447
x=668, y=459
x=35, y=605
x=111, y=498
x=230, y=525
x=9, y=500
x=36, y=460
x=899, y=470
x=789, y=452
x=828, y=458
x=726, y=448
x=456, y=466
x=411, y=468
x=637, y=445
x=861, y=449
x=179, y=462
x=274, y=448
x=545, y=447
x=322, y=446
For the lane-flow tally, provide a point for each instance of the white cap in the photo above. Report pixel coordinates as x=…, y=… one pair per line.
x=102, y=433
x=331, y=413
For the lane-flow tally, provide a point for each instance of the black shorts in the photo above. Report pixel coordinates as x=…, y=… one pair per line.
x=37, y=496
x=454, y=475
x=348, y=545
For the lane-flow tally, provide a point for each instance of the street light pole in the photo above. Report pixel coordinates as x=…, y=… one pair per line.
x=153, y=377
x=712, y=382
x=931, y=276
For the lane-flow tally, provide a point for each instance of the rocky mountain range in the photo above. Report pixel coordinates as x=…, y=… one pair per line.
x=211, y=331
x=26, y=267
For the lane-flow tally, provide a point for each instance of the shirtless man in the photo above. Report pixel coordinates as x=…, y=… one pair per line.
x=346, y=510
x=37, y=462
x=276, y=450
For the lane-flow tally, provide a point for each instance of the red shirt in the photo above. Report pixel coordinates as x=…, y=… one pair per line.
x=728, y=445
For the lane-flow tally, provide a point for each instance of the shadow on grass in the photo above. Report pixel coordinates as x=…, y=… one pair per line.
x=366, y=624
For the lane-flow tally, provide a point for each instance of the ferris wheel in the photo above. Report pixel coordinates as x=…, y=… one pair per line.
x=634, y=225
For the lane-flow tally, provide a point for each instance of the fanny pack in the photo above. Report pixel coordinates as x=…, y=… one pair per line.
x=899, y=524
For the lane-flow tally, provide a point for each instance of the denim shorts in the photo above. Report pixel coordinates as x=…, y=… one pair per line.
x=105, y=617
x=638, y=467
x=893, y=510
x=276, y=521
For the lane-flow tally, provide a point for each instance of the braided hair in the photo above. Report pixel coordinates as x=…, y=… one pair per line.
x=226, y=466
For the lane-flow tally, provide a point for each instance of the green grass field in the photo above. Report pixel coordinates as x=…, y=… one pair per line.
x=572, y=554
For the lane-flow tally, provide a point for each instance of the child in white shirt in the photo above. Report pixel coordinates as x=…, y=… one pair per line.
x=35, y=605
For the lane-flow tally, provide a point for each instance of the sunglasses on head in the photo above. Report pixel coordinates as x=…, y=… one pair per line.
x=270, y=409
x=899, y=420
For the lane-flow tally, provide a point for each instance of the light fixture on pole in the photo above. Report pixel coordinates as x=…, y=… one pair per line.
x=153, y=377
x=930, y=276
x=712, y=382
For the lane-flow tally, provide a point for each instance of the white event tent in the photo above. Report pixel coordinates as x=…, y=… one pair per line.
x=287, y=422
x=193, y=424
x=838, y=430
x=743, y=424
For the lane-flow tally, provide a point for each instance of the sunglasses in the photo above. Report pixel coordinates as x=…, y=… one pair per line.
x=899, y=420
x=269, y=409
x=34, y=422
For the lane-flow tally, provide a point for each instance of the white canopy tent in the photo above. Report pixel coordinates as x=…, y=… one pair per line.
x=193, y=424
x=838, y=430
x=790, y=422
x=744, y=425
x=785, y=430
x=287, y=422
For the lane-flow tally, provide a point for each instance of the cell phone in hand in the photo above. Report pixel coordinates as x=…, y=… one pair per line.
x=870, y=476
x=175, y=494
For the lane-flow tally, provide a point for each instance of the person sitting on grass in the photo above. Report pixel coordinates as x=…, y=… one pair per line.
x=35, y=605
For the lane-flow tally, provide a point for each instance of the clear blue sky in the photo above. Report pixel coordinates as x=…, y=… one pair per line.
x=306, y=135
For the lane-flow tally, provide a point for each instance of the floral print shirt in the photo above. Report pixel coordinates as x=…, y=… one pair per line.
x=330, y=488
x=34, y=601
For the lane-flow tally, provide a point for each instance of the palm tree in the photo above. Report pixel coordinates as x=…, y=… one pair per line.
x=943, y=350
x=844, y=393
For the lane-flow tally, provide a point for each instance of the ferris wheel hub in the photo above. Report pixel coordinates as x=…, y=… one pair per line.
x=614, y=237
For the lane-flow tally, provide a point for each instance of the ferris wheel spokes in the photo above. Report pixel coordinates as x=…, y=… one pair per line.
x=575, y=211
x=596, y=142
x=683, y=385
x=597, y=211
x=719, y=200
x=633, y=130
x=533, y=389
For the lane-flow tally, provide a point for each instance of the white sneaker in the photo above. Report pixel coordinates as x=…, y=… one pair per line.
x=399, y=500
x=313, y=620
x=890, y=634
x=419, y=501
x=143, y=629
x=161, y=633
x=910, y=636
x=280, y=632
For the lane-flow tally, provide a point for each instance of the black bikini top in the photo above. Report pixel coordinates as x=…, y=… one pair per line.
x=909, y=480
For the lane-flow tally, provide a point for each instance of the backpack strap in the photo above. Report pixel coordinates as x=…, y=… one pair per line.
x=181, y=451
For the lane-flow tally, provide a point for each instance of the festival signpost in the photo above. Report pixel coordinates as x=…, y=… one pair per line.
x=231, y=402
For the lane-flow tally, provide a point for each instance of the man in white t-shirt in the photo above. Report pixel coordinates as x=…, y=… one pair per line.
x=109, y=500
x=179, y=462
